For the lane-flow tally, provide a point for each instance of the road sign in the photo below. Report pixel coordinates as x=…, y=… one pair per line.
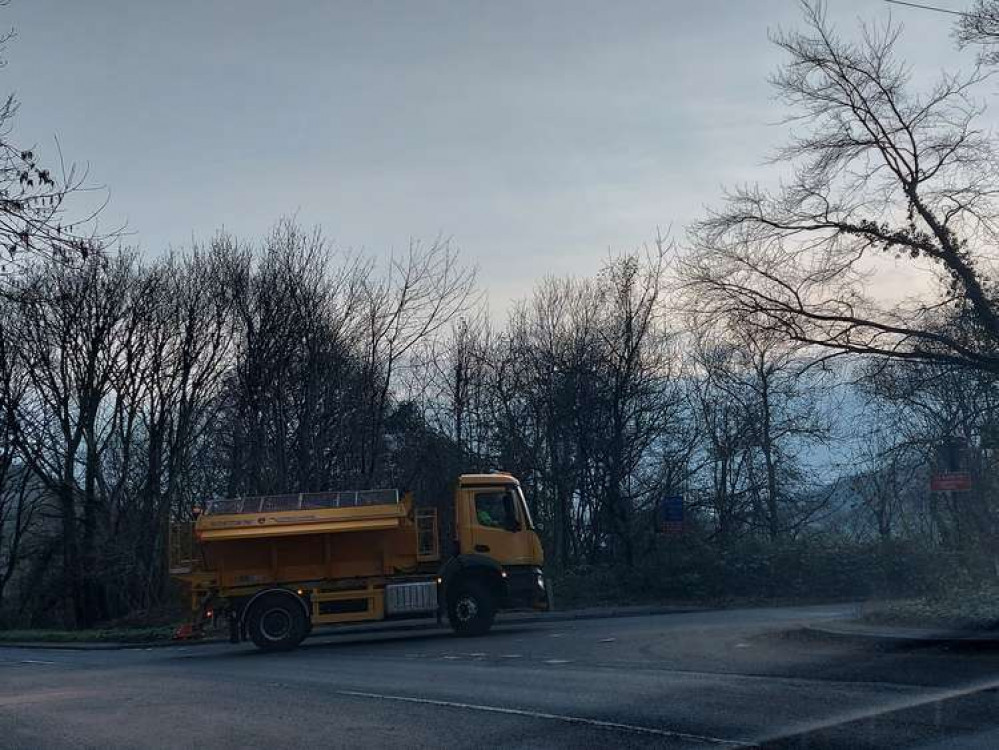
x=670, y=520
x=952, y=456
x=954, y=481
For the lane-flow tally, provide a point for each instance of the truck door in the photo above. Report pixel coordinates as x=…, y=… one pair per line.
x=499, y=528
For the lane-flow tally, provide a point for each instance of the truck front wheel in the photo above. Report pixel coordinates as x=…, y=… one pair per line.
x=471, y=609
x=277, y=623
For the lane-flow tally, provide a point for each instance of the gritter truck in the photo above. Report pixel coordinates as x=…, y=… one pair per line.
x=272, y=567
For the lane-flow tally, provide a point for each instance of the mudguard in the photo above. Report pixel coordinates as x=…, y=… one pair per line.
x=460, y=565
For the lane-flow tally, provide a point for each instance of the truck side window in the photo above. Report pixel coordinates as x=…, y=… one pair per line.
x=494, y=509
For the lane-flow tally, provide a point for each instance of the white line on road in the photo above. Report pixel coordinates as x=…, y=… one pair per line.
x=906, y=703
x=597, y=723
x=35, y=661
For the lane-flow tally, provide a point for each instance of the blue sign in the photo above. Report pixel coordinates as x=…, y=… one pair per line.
x=670, y=514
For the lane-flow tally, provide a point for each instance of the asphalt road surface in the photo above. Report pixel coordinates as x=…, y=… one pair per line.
x=727, y=679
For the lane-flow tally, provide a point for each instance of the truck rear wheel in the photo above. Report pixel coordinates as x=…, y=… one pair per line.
x=471, y=609
x=277, y=622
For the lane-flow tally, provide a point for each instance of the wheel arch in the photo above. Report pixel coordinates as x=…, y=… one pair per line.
x=478, y=567
x=248, y=605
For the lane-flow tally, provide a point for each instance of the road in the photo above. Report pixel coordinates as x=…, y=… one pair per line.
x=723, y=679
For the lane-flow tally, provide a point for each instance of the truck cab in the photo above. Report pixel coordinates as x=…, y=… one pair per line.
x=274, y=566
x=498, y=557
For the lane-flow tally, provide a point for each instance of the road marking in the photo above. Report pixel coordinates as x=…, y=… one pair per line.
x=607, y=640
x=596, y=723
x=451, y=657
x=35, y=661
x=477, y=654
x=933, y=698
x=511, y=656
x=558, y=661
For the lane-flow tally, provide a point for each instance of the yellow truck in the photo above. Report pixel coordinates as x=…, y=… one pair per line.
x=272, y=567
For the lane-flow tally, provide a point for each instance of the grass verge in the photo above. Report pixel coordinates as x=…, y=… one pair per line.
x=98, y=635
x=972, y=608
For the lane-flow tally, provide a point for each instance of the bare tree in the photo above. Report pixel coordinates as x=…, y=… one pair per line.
x=71, y=329
x=451, y=377
x=548, y=418
x=979, y=27
x=879, y=172
x=170, y=382
x=591, y=410
x=888, y=485
x=639, y=380
x=19, y=499
x=723, y=413
x=922, y=408
x=420, y=294
x=38, y=220
x=293, y=403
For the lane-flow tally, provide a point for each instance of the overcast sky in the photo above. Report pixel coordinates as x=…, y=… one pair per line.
x=537, y=134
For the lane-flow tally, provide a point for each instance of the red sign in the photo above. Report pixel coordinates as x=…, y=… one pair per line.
x=957, y=481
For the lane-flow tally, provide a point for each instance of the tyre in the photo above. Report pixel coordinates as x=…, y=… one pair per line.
x=277, y=622
x=471, y=609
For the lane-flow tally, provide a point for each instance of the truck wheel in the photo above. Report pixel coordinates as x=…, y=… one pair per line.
x=277, y=623
x=471, y=609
